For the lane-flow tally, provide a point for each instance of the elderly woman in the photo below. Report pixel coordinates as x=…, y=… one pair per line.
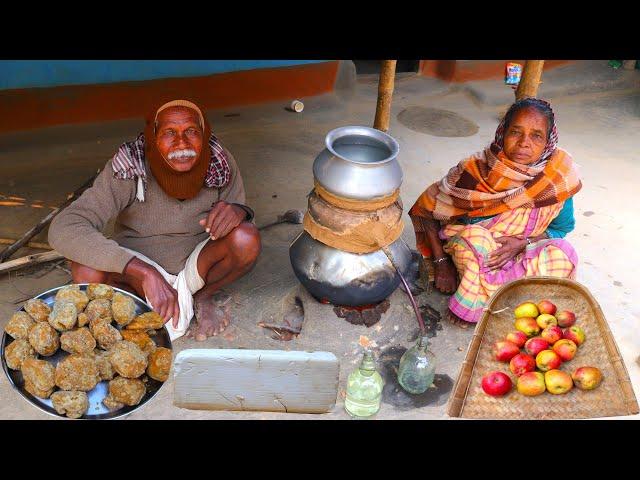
x=501, y=214
x=182, y=231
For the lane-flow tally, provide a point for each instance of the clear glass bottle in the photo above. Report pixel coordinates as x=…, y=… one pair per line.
x=417, y=368
x=364, y=388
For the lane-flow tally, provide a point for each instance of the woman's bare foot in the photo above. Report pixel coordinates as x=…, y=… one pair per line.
x=457, y=321
x=446, y=277
x=211, y=315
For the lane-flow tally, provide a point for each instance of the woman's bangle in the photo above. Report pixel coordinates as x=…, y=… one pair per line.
x=441, y=259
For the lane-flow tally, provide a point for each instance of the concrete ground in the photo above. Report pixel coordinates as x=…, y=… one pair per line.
x=598, y=115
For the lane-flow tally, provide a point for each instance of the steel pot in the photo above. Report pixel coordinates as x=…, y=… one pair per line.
x=343, y=278
x=359, y=163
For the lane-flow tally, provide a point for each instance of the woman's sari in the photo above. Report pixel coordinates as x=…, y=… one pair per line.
x=470, y=245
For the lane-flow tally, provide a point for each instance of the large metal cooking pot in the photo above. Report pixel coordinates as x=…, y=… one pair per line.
x=359, y=163
x=343, y=278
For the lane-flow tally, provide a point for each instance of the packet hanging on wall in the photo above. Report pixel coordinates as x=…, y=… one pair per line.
x=513, y=73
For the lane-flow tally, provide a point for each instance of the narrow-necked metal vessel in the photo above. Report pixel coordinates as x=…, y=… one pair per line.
x=359, y=163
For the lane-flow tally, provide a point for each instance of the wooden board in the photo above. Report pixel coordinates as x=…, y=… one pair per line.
x=614, y=396
x=262, y=380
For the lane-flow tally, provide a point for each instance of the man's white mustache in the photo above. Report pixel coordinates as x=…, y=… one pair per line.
x=182, y=153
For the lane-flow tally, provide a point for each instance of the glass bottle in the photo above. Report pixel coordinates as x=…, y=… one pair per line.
x=364, y=388
x=417, y=368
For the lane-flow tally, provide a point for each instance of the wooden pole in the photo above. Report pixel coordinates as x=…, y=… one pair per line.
x=385, y=92
x=11, y=249
x=29, y=260
x=531, y=74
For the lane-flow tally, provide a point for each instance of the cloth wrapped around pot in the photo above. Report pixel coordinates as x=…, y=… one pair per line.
x=353, y=230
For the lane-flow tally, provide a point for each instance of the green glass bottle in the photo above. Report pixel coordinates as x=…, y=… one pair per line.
x=364, y=388
x=417, y=368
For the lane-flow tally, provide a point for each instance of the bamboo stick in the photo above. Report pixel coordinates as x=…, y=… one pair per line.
x=11, y=249
x=385, y=92
x=30, y=260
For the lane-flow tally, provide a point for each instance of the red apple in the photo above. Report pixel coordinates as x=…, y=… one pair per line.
x=522, y=363
x=575, y=334
x=587, y=378
x=558, y=382
x=566, y=349
x=519, y=338
x=531, y=384
x=552, y=334
x=548, y=360
x=496, y=384
x=566, y=318
x=526, y=309
x=546, y=320
x=527, y=325
x=545, y=306
x=535, y=345
x=505, y=351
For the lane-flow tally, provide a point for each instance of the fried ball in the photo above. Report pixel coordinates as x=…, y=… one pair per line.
x=104, y=333
x=99, y=308
x=146, y=321
x=39, y=377
x=83, y=319
x=63, y=316
x=44, y=339
x=123, y=308
x=141, y=339
x=78, y=341
x=99, y=290
x=77, y=372
x=17, y=352
x=111, y=404
x=73, y=404
x=127, y=359
x=105, y=369
x=38, y=310
x=125, y=391
x=19, y=325
x=159, y=364
x=73, y=294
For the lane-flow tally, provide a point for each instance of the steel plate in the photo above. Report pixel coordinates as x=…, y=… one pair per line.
x=96, y=408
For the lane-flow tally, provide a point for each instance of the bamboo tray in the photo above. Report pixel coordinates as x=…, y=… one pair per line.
x=614, y=396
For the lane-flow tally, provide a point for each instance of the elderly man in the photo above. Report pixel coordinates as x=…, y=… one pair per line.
x=182, y=231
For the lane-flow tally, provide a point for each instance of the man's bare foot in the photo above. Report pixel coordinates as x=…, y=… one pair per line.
x=457, y=321
x=211, y=315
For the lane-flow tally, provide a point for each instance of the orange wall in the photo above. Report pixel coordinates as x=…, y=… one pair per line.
x=465, y=71
x=22, y=109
